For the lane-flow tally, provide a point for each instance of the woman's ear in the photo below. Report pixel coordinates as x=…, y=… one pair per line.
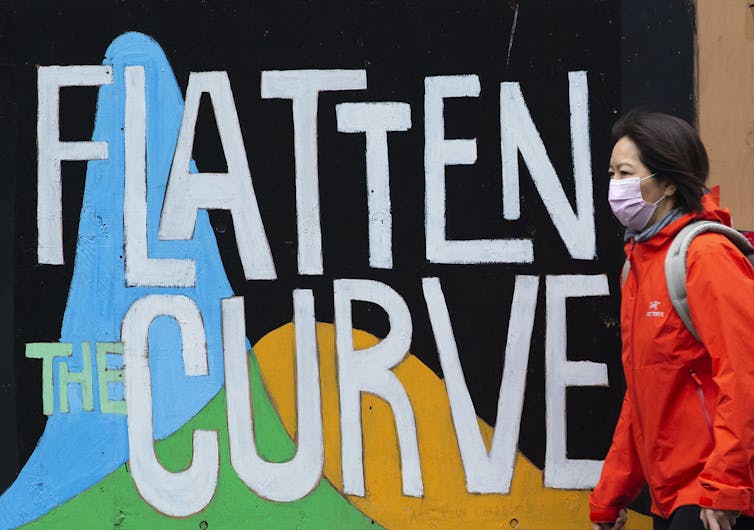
x=670, y=188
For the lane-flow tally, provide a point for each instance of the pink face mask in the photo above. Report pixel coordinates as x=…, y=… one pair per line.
x=627, y=203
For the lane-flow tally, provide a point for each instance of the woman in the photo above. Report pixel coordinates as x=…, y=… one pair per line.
x=686, y=427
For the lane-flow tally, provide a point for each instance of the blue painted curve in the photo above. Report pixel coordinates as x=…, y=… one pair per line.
x=79, y=448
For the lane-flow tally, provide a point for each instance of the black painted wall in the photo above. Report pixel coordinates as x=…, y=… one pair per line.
x=635, y=53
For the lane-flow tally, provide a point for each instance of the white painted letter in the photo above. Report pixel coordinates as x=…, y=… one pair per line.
x=375, y=119
x=518, y=133
x=142, y=270
x=438, y=153
x=303, y=87
x=186, y=492
x=486, y=473
x=284, y=481
x=368, y=370
x=233, y=191
x=52, y=151
x=560, y=373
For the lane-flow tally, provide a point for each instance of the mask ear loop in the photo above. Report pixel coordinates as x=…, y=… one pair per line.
x=658, y=201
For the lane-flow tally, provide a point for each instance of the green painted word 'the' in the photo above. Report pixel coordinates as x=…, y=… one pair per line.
x=48, y=351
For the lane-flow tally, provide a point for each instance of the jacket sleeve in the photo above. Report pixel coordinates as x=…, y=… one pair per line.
x=720, y=285
x=622, y=477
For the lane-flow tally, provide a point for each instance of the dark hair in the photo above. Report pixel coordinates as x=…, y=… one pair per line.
x=671, y=148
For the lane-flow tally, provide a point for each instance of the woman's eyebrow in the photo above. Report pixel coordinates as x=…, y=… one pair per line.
x=619, y=164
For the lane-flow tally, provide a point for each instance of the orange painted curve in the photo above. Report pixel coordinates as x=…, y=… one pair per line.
x=446, y=503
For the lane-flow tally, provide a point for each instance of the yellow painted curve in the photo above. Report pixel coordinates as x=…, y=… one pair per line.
x=446, y=503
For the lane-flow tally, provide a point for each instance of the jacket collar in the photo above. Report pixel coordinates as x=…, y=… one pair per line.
x=710, y=211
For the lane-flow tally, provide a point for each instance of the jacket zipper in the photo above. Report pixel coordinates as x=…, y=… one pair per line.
x=633, y=271
x=700, y=395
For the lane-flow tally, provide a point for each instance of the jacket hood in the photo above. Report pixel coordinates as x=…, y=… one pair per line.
x=711, y=207
x=711, y=211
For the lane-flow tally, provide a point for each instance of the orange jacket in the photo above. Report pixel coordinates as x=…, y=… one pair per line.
x=686, y=426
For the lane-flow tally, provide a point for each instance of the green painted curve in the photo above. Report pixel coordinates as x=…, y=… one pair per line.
x=115, y=503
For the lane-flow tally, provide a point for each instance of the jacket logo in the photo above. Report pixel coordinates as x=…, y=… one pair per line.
x=654, y=306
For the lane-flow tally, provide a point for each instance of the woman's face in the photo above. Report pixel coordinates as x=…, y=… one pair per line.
x=625, y=162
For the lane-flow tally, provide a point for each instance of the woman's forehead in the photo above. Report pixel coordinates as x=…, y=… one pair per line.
x=624, y=152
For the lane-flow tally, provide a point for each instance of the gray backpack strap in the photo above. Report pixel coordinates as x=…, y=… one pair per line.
x=675, y=263
x=624, y=272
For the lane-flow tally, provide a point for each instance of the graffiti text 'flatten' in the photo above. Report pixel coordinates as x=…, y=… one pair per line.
x=187, y=191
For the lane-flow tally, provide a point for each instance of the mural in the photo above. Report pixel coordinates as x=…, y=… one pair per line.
x=313, y=265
